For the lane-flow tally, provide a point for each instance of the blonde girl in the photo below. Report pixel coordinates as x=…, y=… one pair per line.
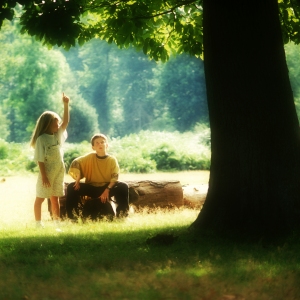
x=47, y=138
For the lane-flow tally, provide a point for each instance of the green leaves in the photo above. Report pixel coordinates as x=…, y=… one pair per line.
x=171, y=26
x=158, y=28
x=289, y=14
x=53, y=23
x=6, y=11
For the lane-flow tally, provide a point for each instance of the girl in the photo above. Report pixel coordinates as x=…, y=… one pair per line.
x=47, y=139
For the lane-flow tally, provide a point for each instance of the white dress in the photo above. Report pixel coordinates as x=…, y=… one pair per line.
x=49, y=151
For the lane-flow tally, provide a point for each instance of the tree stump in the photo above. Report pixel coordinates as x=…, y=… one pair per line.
x=153, y=193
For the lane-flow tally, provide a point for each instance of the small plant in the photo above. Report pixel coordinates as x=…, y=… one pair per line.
x=31, y=166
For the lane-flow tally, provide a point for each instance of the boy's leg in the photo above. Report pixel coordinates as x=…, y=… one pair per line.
x=95, y=209
x=73, y=197
x=72, y=200
x=121, y=193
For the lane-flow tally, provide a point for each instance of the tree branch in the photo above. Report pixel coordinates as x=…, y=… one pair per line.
x=172, y=9
x=167, y=11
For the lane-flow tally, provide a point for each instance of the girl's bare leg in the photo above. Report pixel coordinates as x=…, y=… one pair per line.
x=55, y=207
x=38, y=208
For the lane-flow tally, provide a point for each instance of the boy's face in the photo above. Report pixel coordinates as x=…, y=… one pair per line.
x=100, y=145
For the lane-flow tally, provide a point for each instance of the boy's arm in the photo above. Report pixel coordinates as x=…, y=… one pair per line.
x=66, y=117
x=113, y=181
x=75, y=173
x=45, y=179
x=105, y=195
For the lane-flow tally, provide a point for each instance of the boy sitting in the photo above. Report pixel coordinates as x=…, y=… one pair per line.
x=101, y=172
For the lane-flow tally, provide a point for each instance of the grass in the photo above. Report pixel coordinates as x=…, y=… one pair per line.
x=117, y=260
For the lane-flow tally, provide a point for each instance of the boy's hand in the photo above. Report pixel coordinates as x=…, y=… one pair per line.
x=65, y=99
x=76, y=186
x=104, y=196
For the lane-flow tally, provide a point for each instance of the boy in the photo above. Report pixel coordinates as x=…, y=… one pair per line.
x=101, y=173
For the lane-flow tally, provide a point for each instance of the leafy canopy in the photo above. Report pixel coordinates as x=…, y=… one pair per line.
x=158, y=28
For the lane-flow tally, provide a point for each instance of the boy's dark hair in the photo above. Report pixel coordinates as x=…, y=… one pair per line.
x=96, y=136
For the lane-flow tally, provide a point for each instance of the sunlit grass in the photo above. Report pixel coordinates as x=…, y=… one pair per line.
x=18, y=193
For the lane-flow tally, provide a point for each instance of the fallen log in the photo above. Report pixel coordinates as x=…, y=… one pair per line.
x=194, y=195
x=153, y=193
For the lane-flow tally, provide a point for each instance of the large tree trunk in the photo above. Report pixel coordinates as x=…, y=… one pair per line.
x=254, y=178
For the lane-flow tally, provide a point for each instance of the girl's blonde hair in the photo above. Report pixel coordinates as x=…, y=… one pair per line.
x=42, y=125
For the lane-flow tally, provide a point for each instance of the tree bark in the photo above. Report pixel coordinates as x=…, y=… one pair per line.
x=254, y=178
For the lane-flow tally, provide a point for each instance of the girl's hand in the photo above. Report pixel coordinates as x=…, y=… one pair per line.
x=46, y=182
x=65, y=99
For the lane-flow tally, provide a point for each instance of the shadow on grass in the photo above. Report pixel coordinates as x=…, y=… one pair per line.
x=129, y=265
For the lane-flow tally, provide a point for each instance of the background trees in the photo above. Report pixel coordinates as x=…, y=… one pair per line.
x=186, y=102
x=29, y=82
x=116, y=92
x=32, y=79
x=94, y=78
x=293, y=58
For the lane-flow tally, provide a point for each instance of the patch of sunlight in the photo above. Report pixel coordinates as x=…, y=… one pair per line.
x=198, y=272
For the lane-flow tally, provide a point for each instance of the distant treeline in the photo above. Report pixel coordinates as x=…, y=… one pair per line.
x=117, y=92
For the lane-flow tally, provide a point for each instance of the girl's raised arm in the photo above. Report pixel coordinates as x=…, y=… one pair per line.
x=66, y=117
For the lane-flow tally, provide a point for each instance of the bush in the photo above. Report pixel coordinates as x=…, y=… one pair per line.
x=195, y=162
x=32, y=166
x=3, y=149
x=144, y=152
x=17, y=159
x=165, y=157
x=71, y=151
x=164, y=150
x=135, y=164
x=168, y=158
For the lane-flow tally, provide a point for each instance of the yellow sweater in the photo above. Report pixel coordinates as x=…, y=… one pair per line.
x=96, y=171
